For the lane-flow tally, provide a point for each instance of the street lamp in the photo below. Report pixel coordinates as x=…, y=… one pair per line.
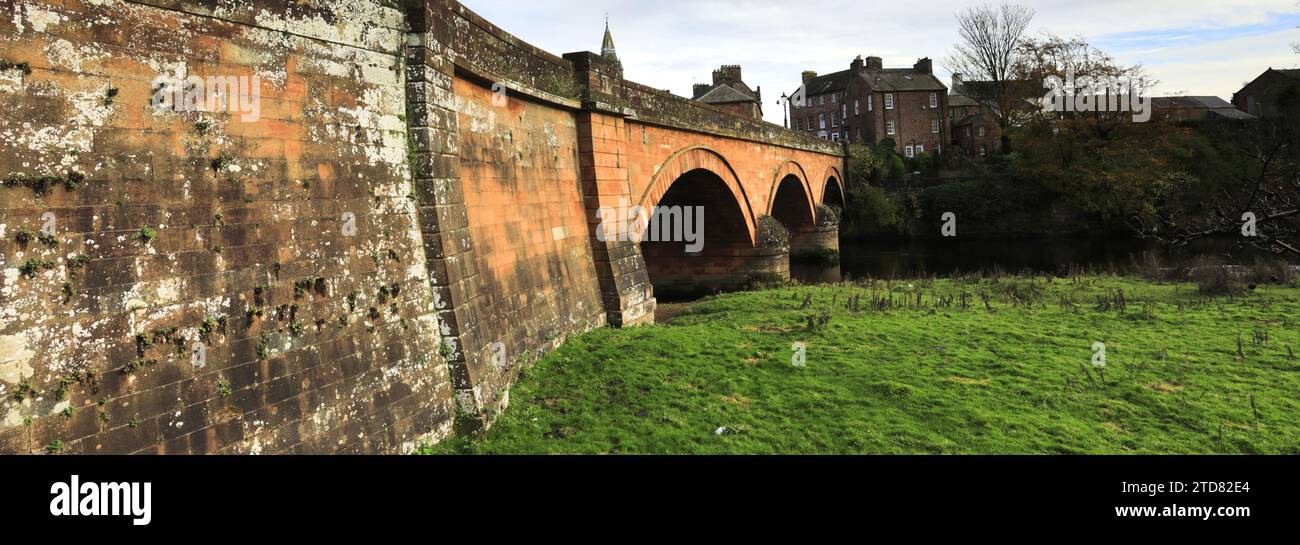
x=785, y=109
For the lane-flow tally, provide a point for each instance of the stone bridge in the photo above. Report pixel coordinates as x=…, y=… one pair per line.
x=415, y=211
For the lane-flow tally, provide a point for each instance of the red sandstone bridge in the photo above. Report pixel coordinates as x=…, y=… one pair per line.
x=475, y=164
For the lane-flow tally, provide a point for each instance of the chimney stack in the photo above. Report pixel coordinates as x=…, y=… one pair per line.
x=924, y=66
x=808, y=75
x=875, y=63
x=956, y=82
x=857, y=64
x=700, y=89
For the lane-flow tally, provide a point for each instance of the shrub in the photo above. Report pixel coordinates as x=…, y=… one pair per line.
x=896, y=169
x=1212, y=278
x=926, y=164
x=1271, y=271
x=827, y=216
x=771, y=234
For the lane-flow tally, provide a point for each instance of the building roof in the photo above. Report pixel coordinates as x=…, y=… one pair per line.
x=958, y=101
x=723, y=93
x=1190, y=102
x=888, y=79
x=1230, y=113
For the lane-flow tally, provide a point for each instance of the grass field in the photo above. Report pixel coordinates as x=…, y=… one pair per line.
x=968, y=365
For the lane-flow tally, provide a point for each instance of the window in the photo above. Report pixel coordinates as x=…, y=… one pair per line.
x=821, y=100
x=934, y=126
x=798, y=124
x=984, y=150
x=889, y=101
x=835, y=137
x=910, y=152
x=889, y=127
x=934, y=100
x=981, y=131
x=937, y=149
x=920, y=148
x=856, y=109
x=835, y=97
x=870, y=102
x=810, y=123
x=835, y=119
x=821, y=120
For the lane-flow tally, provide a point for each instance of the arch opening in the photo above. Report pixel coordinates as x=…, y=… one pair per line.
x=791, y=206
x=697, y=239
x=833, y=194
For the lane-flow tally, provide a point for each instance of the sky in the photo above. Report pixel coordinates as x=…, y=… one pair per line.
x=1193, y=47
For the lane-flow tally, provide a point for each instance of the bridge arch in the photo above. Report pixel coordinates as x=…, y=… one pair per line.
x=790, y=169
x=833, y=188
x=791, y=199
x=696, y=158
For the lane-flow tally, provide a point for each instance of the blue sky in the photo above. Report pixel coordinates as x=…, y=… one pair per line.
x=1199, y=47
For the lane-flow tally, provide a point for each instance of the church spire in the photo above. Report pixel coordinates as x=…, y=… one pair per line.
x=607, y=48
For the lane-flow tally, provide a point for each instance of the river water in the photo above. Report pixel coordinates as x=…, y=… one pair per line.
x=926, y=257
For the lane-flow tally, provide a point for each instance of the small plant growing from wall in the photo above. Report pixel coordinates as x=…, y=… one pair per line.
x=23, y=235
x=23, y=67
x=35, y=265
x=109, y=96
x=146, y=235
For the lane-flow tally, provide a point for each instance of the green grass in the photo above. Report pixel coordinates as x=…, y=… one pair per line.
x=927, y=377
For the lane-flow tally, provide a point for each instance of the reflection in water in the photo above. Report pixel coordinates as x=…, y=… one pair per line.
x=923, y=258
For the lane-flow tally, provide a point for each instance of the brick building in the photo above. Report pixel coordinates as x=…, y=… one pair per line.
x=730, y=93
x=974, y=129
x=1259, y=97
x=868, y=103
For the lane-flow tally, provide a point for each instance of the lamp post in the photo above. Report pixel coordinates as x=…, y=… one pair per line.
x=785, y=109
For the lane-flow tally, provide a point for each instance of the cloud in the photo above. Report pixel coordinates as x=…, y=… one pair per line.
x=1205, y=47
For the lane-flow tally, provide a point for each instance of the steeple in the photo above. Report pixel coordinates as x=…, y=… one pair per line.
x=607, y=48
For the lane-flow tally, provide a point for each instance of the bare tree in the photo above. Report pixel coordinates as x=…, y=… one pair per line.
x=988, y=56
x=1260, y=207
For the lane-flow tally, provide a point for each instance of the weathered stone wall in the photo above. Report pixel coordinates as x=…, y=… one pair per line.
x=362, y=264
x=204, y=227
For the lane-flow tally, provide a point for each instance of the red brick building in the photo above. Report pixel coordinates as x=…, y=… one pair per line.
x=868, y=103
x=730, y=92
x=974, y=129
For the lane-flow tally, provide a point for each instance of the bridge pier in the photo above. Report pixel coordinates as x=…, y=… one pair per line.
x=818, y=242
x=625, y=287
x=690, y=276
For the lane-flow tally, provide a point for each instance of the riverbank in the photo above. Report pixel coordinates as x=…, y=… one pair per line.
x=967, y=365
